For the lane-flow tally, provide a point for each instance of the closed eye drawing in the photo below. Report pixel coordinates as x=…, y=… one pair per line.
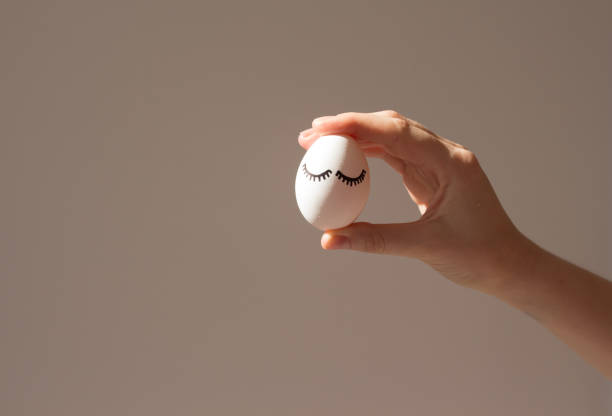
x=314, y=177
x=347, y=180
x=351, y=181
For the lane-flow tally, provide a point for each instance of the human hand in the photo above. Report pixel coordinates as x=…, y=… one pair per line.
x=463, y=231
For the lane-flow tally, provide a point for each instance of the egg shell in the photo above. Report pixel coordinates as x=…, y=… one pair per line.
x=332, y=184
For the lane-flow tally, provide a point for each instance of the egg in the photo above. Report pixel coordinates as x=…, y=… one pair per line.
x=332, y=184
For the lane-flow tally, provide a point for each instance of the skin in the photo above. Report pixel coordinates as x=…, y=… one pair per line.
x=465, y=234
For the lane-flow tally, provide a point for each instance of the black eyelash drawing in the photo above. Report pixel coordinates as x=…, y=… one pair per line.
x=313, y=177
x=347, y=180
x=351, y=181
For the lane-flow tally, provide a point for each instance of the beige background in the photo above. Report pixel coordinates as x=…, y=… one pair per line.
x=154, y=262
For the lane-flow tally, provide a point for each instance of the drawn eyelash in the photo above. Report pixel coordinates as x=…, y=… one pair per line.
x=313, y=177
x=351, y=181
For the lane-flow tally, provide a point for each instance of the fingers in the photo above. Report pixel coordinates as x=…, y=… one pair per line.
x=395, y=239
x=327, y=125
x=362, y=126
x=307, y=137
x=399, y=136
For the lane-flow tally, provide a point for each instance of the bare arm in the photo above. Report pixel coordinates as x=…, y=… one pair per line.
x=466, y=235
x=575, y=304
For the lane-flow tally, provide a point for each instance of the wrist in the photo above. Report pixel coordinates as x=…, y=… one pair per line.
x=507, y=266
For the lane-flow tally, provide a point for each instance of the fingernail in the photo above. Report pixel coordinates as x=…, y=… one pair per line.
x=305, y=133
x=335, y=242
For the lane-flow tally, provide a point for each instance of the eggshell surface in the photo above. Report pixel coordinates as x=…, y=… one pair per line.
x=332, y=184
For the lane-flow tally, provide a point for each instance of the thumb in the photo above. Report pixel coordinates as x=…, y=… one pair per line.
x=396, y=239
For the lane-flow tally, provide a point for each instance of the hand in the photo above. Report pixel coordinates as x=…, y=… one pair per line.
x=463, y=228
x=465, y=234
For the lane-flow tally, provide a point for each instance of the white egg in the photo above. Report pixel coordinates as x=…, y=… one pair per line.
x=333, y=182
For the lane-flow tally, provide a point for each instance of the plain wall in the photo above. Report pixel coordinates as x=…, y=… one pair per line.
x=152, y=257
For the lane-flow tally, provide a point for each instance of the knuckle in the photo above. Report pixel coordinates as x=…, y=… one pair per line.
x=401, y=130
x=393, y=114
x=465, y=156
x=466, y=163
x=375, y=243
x=403, y=125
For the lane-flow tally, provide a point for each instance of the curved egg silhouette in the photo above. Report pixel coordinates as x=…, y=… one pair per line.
x=332, y=184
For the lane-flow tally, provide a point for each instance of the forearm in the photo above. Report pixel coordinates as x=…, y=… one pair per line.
x=575, y=304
